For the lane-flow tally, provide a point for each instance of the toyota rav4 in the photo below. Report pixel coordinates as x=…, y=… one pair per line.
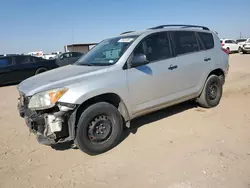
x=124, y=77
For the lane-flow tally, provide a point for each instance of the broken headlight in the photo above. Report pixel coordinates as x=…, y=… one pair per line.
x=46, y=99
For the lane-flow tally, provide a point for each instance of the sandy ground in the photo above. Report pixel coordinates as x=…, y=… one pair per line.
x=180, y=147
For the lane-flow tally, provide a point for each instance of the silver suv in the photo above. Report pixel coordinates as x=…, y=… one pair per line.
x=135, y=73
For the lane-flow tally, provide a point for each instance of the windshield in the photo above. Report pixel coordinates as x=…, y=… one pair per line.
x=107, y=52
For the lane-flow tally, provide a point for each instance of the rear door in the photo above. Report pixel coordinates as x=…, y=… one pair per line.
x=235, y=46
x=6, y=68
x=193, y=63
x=231, y=44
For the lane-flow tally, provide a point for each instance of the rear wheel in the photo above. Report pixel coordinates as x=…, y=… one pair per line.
x=99, y=128
x=239, y=50
x=212, y=92
x=228, y=50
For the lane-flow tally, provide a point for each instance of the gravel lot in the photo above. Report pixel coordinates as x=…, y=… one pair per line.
x=180, y=147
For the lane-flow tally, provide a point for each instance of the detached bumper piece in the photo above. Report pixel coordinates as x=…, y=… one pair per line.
x=51, y=126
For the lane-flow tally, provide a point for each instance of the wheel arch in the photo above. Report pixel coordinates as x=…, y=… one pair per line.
x=41, y=68
x=111, y=98
x=218, y=72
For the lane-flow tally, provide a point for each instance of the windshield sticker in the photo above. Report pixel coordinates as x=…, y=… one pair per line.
x=126, y=40
x=111, y=61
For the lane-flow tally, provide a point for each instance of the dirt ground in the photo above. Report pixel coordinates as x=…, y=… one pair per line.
x=180, y=147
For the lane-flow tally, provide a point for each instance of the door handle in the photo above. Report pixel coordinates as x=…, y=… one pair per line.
x=172, y=67
x=207, y=59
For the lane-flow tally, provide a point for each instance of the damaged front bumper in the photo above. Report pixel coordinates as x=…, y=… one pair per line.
x=51, y=126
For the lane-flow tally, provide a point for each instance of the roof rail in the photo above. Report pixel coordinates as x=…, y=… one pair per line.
x=179, y=25
x=126, y=32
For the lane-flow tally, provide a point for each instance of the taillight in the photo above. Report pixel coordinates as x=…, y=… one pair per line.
x=222, y=44
x=225, y=50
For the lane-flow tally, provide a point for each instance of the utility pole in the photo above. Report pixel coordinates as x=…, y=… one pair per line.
x=73, y=38
x=73, y=35
x=240, y=35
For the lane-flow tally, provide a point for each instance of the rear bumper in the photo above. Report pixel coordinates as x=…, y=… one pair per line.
x=51, y=126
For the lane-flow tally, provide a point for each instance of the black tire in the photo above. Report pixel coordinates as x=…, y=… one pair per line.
x=239, y=50
x=228, y=50
x=212, y=92
x=40, y=70
x=244, y=52
x=89, y=123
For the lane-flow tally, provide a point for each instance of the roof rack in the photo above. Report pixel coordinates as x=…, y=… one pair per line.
x=126, y=32
x=179, y=25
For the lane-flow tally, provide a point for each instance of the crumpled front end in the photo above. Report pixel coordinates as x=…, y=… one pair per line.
x=51, y=126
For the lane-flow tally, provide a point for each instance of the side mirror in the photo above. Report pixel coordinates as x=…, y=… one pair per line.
x=138, y=60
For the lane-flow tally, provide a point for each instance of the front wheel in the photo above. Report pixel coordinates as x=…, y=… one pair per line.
x=212, y=92
x=99, y=128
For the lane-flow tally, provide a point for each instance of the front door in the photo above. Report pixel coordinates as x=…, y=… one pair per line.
x=64, y=59
x=150, y=84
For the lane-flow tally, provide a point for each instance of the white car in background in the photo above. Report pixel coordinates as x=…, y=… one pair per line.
x=230, y=45
x=246, y=46
x=241, y=42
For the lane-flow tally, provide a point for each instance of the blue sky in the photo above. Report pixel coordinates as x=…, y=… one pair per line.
x=47, y=25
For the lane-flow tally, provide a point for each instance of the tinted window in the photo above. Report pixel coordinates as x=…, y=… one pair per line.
x=185, y=42
x=228, y=41
x=35, y=59
x=23, y=59
x=4, y=62
x=156, y=47
x=67, y=55
x=76, y=54
x=207, y=39
x=241, y=40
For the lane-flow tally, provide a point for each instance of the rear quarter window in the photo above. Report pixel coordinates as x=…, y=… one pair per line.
x=207, y=40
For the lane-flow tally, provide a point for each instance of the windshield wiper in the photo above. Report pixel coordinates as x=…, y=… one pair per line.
x=86, y=64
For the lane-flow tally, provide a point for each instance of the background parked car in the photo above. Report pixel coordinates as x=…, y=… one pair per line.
x=67, y=58
x=246, y=46
x=240, y=42
x=230, y=45
x=16, y=68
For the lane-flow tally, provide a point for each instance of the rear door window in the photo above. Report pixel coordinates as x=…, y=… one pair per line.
x=185, y=42
x=228, y=41
x=5, y=62
x=207, y=40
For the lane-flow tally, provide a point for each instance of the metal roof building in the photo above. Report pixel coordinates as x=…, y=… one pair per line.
x=83, y=48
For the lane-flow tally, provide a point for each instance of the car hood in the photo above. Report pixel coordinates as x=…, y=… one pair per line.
x=56, y=78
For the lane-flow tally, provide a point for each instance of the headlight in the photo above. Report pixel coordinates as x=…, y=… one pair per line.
x=46, y=99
